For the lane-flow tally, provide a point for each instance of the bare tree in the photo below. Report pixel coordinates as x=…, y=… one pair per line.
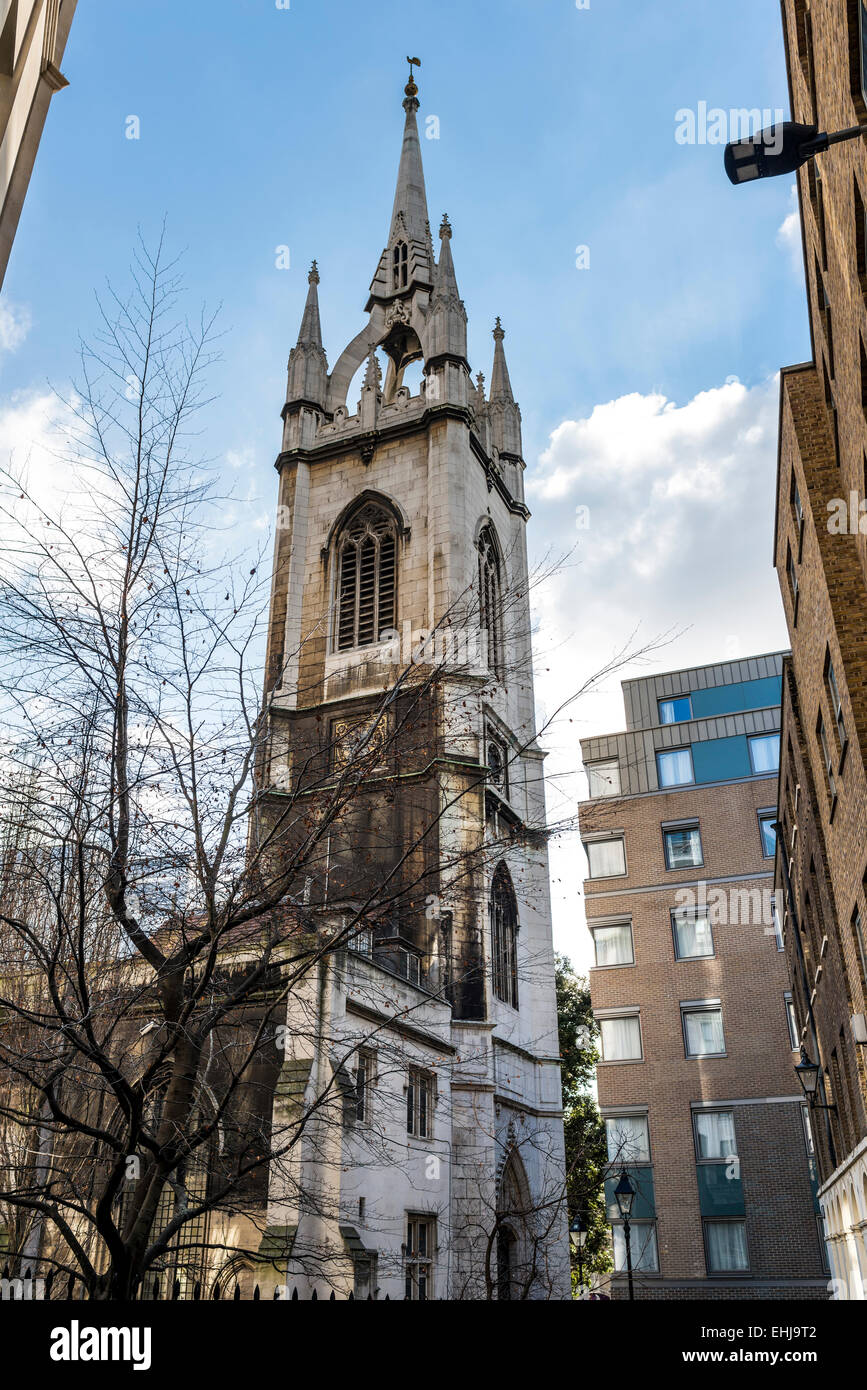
x=172, y=888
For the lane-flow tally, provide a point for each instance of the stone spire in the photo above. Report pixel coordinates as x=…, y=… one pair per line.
x=447, y=319
x=308, y=365
x=410, y=226
x=503, y=411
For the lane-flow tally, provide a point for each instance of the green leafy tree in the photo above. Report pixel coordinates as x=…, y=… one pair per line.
x=586, y=1150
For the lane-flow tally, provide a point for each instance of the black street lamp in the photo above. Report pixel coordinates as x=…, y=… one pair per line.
x=807, y=1073
x=578, y=1237
x=780, y=149
x=624, y=1194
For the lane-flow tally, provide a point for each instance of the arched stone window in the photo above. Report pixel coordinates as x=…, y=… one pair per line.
x=504, y=937
x=399, y=266
x=491, y=601
x=366, y=579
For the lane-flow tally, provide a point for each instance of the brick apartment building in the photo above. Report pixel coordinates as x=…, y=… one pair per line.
x=821, y=559
x=690, y=988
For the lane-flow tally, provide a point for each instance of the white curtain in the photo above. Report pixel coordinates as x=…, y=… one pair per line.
x=614, y=945
x=765, y=753
x=716, y=1134
x=627, y=1139
x=704, y=1032
x=606, y=858
x=675, y=767
x=726, y=1245
x=604, y=779
x=644, y=1256
x=693, y=936
x=621, y=1039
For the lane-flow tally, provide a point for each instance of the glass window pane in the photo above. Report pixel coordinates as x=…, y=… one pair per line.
x=644, y=1256
x=683, y=848
x=791, y=1019
x=628, y=1140
x=715, y=1133
x=606, y=857
x=726, y=1245
x=621, y=1038
x=675, y=767
x=704, y=1032
x=675, y=711
x=765, y=753
x=614, y=944
x=693, y=936
x=769, y=835
x=604, y=778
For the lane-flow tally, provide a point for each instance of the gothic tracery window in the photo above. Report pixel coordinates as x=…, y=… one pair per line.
x=504, y=937
x=490, y=601
x=366, y=579
x=399, y=265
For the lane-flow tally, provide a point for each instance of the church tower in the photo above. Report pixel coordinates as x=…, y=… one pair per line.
x=401, y=546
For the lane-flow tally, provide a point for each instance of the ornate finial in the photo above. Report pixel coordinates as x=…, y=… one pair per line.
x=411, y=89
x=499, y=331
x=480, y=386
x=313, y=277
x=445, y=228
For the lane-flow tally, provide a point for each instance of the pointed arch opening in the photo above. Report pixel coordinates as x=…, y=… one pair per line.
x=491, y=600
x=514, y=1276
x=503, y=910
x=399, y=266
x=366, y=578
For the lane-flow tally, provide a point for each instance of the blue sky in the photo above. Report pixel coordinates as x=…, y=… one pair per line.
x=263, y=126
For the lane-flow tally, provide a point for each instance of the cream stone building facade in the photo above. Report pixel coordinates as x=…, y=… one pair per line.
x=399, y=513
x=33, y=36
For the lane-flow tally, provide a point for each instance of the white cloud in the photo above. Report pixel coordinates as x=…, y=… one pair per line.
x=681, y=513
x=15, y=324
x=789, y=234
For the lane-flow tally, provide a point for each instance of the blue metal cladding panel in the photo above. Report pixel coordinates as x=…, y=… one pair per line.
x=644, y=1202
x=719, y=759
x=720, y=1194
x=734, y=699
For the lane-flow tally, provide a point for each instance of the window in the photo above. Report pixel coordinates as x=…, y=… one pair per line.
x=504, y=937
x=418, y=1257
x=628, y=1139
x=607, y=858
x=399, y=263
x=675, y=711
x=714, y=1135
x=726, y=1246
x=621, y=1038
x=490, y=600
x=836, y=704
x=820, y=217
x=822, y=736
x=645, y=1259
x=366, y=587
x=419, y=1104
x=825, y=315
x=498, y=764
x=683, y=847
x=693, y=937
x=703, y=1029
x=613, y=944
x=862, y=27
x=767, y=821
x=674, y=768
x=860, y=235
x=798, y=510
x=860, y=941
x=364, y=1077
x=792, y=1023
x=765, y=753
x=604, y=778
x=792, y=572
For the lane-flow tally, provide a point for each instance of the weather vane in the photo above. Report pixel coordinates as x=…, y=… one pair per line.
x=412, y=89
